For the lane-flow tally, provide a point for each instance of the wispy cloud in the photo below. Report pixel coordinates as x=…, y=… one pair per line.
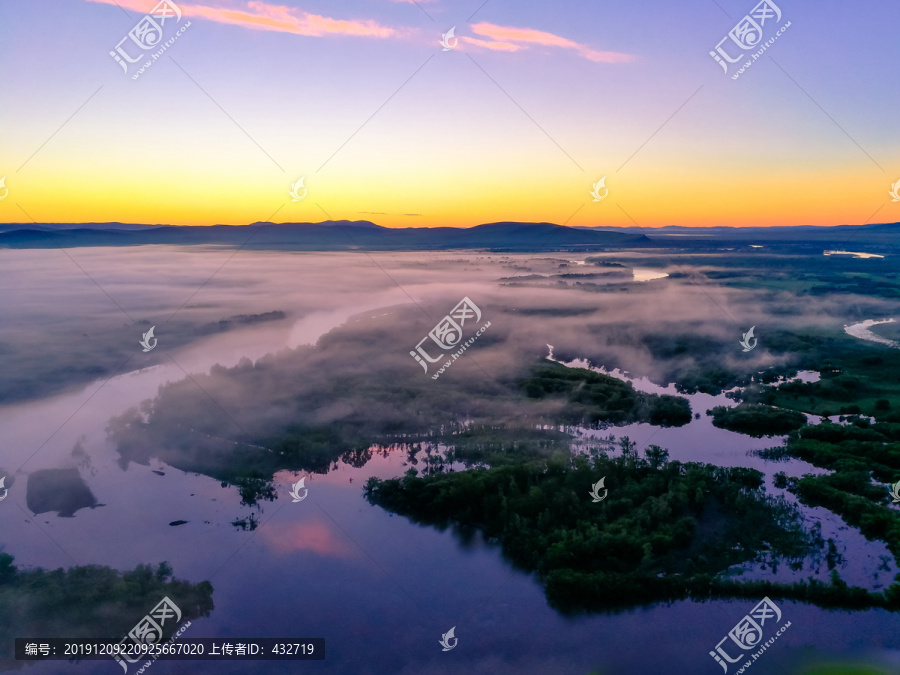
x=259, y=15
x=263, y=16
x=510, y=39
x=491, y=44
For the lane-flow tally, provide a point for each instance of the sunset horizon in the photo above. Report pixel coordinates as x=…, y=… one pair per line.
x=25, y=224
x=450, y=336
x=377, y=107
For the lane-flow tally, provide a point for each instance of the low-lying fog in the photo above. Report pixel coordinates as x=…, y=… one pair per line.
x=76, y=316
x=72, y=363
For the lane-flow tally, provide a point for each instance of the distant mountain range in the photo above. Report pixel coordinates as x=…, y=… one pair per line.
x=774, y=233
x=505, y=236
x=326, y=236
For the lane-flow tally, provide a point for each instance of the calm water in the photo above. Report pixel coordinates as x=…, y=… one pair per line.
x=862, y=331
x=380, y=590
x=855, y=254
x=867, y=564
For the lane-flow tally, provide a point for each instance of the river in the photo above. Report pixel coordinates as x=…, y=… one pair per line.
x=862, y=330
x=379, y=589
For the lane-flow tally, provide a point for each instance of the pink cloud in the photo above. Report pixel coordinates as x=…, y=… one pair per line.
x=521, y=37
x=314, y=537
x=260, y=15
x=263, y=16
x=496, y=46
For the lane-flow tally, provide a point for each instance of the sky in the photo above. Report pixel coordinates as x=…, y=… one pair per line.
x=529, y=107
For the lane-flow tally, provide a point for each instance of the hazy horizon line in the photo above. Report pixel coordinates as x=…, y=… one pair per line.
x=452, y=227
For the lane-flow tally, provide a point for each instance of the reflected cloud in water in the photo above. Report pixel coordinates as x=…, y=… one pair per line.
x=317, y=537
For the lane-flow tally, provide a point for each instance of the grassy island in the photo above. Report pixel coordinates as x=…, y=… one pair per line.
x=664, y=530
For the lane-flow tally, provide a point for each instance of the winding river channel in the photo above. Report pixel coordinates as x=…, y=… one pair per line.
x=380, y=589
x=862, y=330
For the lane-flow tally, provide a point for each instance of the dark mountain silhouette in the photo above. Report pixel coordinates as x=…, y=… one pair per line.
x=772, y=233
x=74, y=226
x=329, y=235
x=339, y=235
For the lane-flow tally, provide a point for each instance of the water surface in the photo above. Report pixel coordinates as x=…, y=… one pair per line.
x=378, y=588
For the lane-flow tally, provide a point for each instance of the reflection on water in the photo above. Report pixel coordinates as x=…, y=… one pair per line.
x=861, y=330
x=864, y=563
x=60, y=490
x=377, y=587
x=855, y=254
x=641, y=274
x=805, y=376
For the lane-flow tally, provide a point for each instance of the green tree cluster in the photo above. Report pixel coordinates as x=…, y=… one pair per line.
x=593, y=398
x=757, y=420
x=89, y=601
x=663, y=531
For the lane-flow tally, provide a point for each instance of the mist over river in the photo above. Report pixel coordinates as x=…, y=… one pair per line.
x=380, y=589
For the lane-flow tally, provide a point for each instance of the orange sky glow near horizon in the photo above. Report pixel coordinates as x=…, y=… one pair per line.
x=513, y=118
